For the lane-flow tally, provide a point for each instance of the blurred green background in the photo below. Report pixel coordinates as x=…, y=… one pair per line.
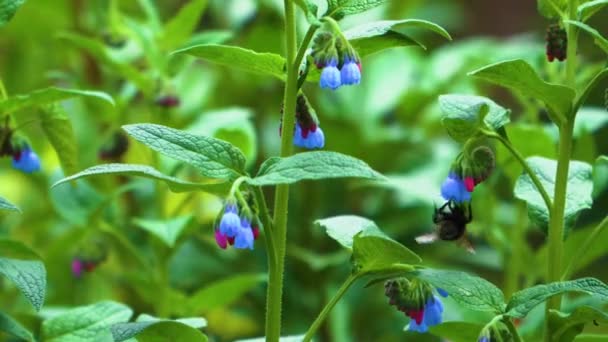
x=392, y=121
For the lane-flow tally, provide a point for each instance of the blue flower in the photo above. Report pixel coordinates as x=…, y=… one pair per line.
x=330, y=76
x=351, y=72
x=442, y=292
x=244, y=238
x=309, y=138
x=484, y=339
x=433, y=310
x=26, y=160
x=454, y=189
x=230, y=222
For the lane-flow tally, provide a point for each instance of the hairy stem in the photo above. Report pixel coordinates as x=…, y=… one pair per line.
x=279, y=230
x=580, y=252
x=327, y=309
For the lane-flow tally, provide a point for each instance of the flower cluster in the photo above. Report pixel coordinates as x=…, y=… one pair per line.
x=167, y=101
x=467, y=172
x=235, y=230
x=307, y=133
x=339, y=63
x=416, y=300
x=79, y=266
x=557, y=43
x=23, y=157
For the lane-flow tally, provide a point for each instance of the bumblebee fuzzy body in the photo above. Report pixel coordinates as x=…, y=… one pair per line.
x=451, y=220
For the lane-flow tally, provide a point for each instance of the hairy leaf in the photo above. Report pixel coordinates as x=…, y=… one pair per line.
x=6, y=205
x=178, y=30
x=340, y=8
x=149, y=328
x=168, y=231
x=376, y=253
x=24, y=268
x=597, y=37
x=47, y=96
x=14, y=328
x=344, y=228
x=8, y=8
x=564, y=327
x=223, y=292
x=58, y=129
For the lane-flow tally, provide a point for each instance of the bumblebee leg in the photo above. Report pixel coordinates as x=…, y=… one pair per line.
x=466, y=244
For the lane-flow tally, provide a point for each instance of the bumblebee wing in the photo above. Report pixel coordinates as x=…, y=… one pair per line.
x=466, y=244
x=427, y=238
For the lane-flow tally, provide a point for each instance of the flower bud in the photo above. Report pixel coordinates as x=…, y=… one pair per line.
x=557, y=43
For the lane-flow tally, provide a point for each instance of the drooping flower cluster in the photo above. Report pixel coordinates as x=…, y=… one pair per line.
x=416, y=300
x=23, y=157
x=468, y=171
x=557, y=43
x=167, y=101
x=235, y=230
x=336, y=58
x=90, y=255
x=79, y=266
x=307, y=133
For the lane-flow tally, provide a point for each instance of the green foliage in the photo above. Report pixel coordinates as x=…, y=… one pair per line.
x=312, y=166
x=178, y=30
x=212, y=157
x=168, y=231
x=223, y=292
x=376, y=36
x=465, y=115
x=14, y=328
x=566, y=326
x=8, y=8
x=58, y=129
x=25, y=269
x=469, y=291
x=376, y=253
x=310, y=10
x=47, y=96
x=551, y=8
x=578, y=197
x=597, y=37
x=587, y=9
x=525, y=300
x=344, y=228
x=521, y=77
x=149, y=328
x=235, y=57
x=457, y=331
x=6, y=205
x=340, y=8
x=86, y=323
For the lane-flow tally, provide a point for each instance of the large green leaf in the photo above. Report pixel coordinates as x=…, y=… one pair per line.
x=340, y=8
x=470, y=291
x=457, y=331
x=86, y=323
x=376, y=36
x=178, y=30
x=212, y=157
x=168, y=231
x=149, y=328
x=310, y=10
x=344, y=228
x=600, y=175
x=376, y=253
x=24, y=268
x=8, y=8
x=518, y=75
x=47, y=96
x=58, y=129
x=6, y=205
x=465, y=115
x=597, y=37
x=312, y=166
x=578, y=196
x=564, y=327
x=224, y=292
x=175, y=184
x=589, y=8
x=525, y=300
x=235, y=57
x=14, y=328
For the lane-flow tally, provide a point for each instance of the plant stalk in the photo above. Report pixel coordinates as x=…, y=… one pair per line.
x=509, y=323
x=279, y=230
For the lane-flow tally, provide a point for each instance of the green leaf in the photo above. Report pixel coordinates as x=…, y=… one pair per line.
x=518, y=75
x=294, y=338
x=376, y=253
x=168, y=231
x=175, y=184
x=312, y=166
x=212, y=157
x=47, y=96
x=525, y=300
x=224, y=292
x=340, y=8
x=595, y=81
x=376, y=36
x=565, y=327
x=600, y=175
x=113, y=61
x=597, y=37
x=310, y=10
x=588, y=9
x=344, y=228
x=470, y=291
x=149, y=328
x=8, y=8
x=6, y=205
x=551, y=8
x=14, y=328
x=457, y=331
x=178, y=30
x=58, y=129
x=235, y=57
x=24, y=268
x=465, y=115
x=86, y=323
x=578, y=197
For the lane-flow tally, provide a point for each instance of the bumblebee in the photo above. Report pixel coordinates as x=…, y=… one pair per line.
x=450, y=221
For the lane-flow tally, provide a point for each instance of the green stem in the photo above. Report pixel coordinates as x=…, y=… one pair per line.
x=327, y=309
x=509, y=323
x=556, y=218
x=580, y=252
x=3, y=95
x=267, y=225
x=279, y=230
x=524, y=164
